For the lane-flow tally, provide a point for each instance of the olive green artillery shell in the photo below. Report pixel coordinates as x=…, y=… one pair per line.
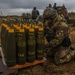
x=31, y=47
x=36, y=33
x=10, y=49
x=21, y=47
x=40, y=45
x=3, y=37
x=4, y=45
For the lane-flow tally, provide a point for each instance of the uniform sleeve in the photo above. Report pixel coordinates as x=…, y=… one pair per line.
x=58, y=38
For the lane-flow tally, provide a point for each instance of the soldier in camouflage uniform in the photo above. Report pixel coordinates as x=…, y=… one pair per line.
x=57, y=41
x=62, y=11
x=61, y=16
x=35, y=13
x=65, y=12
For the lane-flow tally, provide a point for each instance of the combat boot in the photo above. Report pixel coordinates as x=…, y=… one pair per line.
x=67, y=58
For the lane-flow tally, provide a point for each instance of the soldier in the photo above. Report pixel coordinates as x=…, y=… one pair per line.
x=65, y=12
x=61, y=16
x=55, y=6
x=35, y=13
x=57, y=41
x=50, y=6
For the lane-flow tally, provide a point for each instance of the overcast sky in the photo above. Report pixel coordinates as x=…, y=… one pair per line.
x=13, y=7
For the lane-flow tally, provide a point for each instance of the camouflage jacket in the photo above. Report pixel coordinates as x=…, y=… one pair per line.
x=56, y=36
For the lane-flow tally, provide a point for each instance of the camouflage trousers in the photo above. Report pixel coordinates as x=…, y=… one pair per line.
x=60, y=55
x=34, y=70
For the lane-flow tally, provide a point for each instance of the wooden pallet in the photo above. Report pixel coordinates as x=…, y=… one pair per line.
x=28, y=64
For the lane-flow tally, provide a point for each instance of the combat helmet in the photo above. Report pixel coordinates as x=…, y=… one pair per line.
x=59, y=10
x=49, y=13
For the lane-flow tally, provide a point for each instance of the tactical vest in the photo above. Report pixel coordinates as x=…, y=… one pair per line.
x=49, y=34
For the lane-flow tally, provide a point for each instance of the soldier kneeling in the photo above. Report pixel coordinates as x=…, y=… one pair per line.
x=56, y=33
